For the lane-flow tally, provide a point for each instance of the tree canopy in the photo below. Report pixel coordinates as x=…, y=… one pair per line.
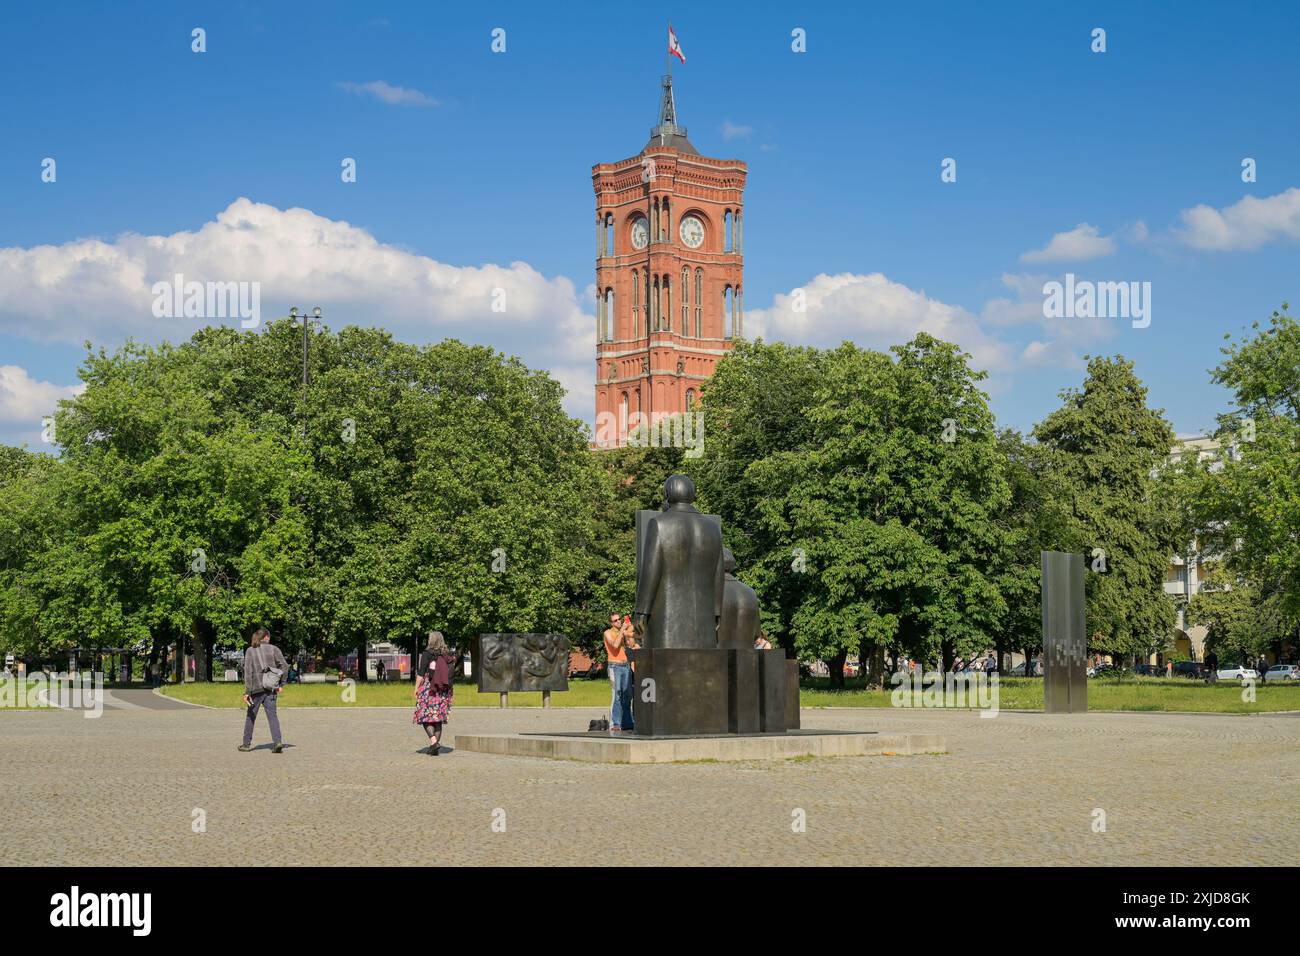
x=869, y=498
x=418, y=487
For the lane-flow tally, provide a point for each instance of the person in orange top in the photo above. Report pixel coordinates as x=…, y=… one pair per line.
x=620, y=638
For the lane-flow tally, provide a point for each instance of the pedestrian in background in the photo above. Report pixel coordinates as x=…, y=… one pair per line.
x=433, y=688
x=264, y=672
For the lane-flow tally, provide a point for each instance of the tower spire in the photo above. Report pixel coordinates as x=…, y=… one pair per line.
x=662, y=134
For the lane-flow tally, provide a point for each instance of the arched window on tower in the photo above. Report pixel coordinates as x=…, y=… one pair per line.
x=654, y=221
x=699, y=303
x=686, y=301
x=646, y=317
x=728, y=222
x=667, y=234
x=690, y=398
x=609, y=234
x=668, y=304
x=636, y=302
x=728, y=317
x=609, y=315
x=654, y=312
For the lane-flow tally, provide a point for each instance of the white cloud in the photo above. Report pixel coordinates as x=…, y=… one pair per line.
x=387, y=93
x=1038, y=354
x=1026, y=307
x=101, y=290
x=1247, y=224
x=1078, y=244
x=25, y=401
x=872, y=312
x=732, y=130
x=1062, y=339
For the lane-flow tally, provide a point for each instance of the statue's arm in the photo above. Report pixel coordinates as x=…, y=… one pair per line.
x=647, y=577
x=719, y=588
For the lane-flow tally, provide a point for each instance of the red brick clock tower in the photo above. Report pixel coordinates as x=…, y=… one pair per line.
x=668, y=276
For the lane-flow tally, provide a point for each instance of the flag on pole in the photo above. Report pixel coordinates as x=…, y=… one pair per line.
x=674, y=47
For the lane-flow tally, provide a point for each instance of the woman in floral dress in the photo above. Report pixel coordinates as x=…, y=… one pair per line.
x=433, y=688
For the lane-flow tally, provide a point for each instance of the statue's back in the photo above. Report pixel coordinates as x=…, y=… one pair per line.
x=679, y=578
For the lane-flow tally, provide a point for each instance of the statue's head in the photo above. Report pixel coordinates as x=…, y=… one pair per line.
x=679, y=489
x=728, y=560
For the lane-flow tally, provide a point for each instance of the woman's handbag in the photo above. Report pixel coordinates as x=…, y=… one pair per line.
x=271, y=677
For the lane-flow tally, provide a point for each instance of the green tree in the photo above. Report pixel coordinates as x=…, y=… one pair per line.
x=198, y=495
x=1037, y=517
x=1240, y=623
x=858, y=490
x=1252, y=512
x=1245, y=501
x=632, y=478
x=1107, y=446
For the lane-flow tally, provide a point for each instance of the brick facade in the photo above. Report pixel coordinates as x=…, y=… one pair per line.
x=657, y=337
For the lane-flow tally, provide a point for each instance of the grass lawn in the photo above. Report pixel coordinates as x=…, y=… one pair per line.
x=1014, y=693
x=14, y=697
x=581, y=693
x=1104, y=693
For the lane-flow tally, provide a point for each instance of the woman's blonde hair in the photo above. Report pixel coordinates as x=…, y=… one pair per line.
x=437, y=643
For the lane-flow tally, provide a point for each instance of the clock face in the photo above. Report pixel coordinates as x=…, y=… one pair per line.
x=640, y=234
x=692, y=232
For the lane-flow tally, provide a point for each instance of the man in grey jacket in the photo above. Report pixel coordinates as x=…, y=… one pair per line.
x=262, y=657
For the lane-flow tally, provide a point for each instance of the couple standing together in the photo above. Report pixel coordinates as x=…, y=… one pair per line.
x=620, y=637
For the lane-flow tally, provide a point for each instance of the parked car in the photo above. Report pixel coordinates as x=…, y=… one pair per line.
x=1193, y=670
x=1035, y=669
x=1281, y=672
x=1237, y=672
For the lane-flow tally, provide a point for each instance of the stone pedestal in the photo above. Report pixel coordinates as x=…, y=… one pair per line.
x=743, y=715
x=631, y=748
x=717, y=690
x=680, y=690
x=791, y=695
x=771, y=691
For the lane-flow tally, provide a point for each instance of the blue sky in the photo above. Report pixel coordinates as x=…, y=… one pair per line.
x=473, y=172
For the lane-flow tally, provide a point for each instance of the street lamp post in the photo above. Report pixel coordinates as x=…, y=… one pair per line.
x=306, y=327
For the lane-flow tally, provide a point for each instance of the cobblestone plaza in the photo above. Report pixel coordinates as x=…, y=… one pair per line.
x=353, y=787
